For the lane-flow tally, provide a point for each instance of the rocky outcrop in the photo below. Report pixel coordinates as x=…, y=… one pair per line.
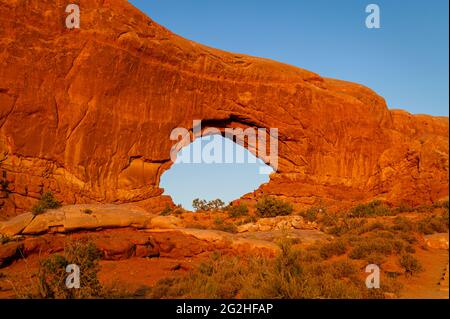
x=87, y=114
x=278, y=223
x=437, y=241
x=86, y=217
x=125, y=243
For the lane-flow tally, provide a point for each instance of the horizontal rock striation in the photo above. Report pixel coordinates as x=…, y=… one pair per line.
x=87, y=114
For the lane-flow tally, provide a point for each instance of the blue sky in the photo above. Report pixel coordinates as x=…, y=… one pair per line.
x=405, y=61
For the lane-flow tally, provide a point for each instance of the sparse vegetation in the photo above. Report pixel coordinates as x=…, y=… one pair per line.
x=237, y=210
x=269, y=206
x=434, y=224
x=372, y=209
x=166, y=211
x=333, y=248
x=410, y=264
x=52, y=272
x=219, y=224
x=203, y=205
x=293, y=274
x=312, y=214
x=47, y=201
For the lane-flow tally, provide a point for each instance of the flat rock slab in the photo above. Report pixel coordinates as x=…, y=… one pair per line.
x=85, y=217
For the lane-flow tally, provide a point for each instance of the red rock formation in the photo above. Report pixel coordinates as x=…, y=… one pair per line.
x=87, y=114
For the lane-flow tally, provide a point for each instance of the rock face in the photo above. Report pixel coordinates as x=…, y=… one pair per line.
x=87, y=114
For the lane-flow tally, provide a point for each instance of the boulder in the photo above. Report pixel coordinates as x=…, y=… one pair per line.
x=437, y=241
x=10, y=252
x=166, y=222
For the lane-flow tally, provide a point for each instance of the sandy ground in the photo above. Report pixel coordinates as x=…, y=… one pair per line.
x=426, y=284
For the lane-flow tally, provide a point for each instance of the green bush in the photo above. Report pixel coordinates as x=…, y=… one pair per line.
x=434, y=224
x=311, y=214
x=367, y=246
x=52, y=272
x=237, y=210
x=334, y=248
x=271, y=207
x=166, y=211
x=372, y=209
x=410, y=264
x=47, y=201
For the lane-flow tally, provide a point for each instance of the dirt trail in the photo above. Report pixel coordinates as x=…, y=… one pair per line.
x=432, y=283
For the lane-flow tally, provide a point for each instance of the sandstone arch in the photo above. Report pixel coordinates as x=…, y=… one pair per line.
x=87, y=114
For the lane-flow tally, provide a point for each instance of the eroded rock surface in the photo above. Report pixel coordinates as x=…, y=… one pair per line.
x=86, y=217
x=87, y=114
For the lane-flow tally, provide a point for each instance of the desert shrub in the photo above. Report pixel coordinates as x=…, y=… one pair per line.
x=434, y=224
x=166, y=211
x=238, y=210
x=410, y=264
x=328, y=219
x=289, y=275
x=52, y=272
x=311, y=214
x=269, y=206
x=334, y=248
x=375, y=258
x=179, y=211
x=47, y=201
x=226, y=227
x=408, y=237
x=403, y=224
x=367, y=246
x=372, y=209
x=347, y=226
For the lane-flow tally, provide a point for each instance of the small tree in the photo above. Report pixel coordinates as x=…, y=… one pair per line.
x=199, y=204
x=215, y=204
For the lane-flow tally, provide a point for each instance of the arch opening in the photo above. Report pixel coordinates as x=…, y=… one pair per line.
x=213, y=167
